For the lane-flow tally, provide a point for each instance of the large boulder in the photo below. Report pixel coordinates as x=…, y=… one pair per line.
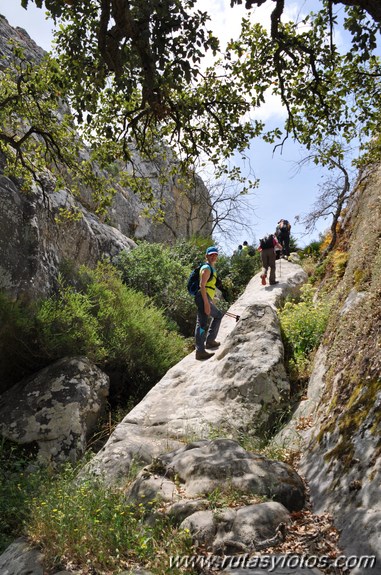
x=201, y=467
x=57, y=409
x=21, y=558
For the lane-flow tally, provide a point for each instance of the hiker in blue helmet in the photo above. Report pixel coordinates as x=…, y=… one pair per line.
x=206, y=337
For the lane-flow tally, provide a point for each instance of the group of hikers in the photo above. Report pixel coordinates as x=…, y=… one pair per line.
x=270, y=247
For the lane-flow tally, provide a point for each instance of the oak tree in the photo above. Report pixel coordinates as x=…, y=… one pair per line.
x=137, y=77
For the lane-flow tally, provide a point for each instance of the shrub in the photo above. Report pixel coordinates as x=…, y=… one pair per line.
x=313, y=249
x=236, y=272
x=158, y=272
x=17, y=489
x=68, y=326
x=116, y=327
x=18, y=348
x=91, y=527
x=303, y=325
x=110, y=323
x=339, y=260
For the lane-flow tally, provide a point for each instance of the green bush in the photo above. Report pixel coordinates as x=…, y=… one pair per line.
x=303, y=324
x=313, y=249
x=116, y=327
x=18, y=345
x=17, y=490
x=110, y=323
x=158, y=272
x=68, y=326
x=237, y=271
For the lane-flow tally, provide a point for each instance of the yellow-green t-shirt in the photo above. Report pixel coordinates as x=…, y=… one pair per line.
x=211, y=283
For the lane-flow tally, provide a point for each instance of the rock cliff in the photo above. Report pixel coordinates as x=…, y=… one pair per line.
x=338, y=426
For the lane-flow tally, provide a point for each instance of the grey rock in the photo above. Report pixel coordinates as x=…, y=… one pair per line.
x=295, y=434
x=58, y=408
x=353, y=299
x=182, y=509
x=203, y=466
x=20, y=558
x=151, y=488
x=33, y=245
x=228, y=531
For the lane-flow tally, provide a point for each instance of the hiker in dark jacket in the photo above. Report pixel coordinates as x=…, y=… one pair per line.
x=282, y=232
x=206, y=338
x=267, y=247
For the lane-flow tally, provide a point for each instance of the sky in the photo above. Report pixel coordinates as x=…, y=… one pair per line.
x=285, y=189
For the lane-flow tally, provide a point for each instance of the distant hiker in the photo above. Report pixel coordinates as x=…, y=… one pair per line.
x=245, y=249
x=206, y=338
x=282, y=233
x=267, y=246
x=238, y=251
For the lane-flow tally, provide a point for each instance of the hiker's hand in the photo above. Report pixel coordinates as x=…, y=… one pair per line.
x=207, y=308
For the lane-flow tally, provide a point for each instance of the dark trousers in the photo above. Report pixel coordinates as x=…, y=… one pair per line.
x=285, y=243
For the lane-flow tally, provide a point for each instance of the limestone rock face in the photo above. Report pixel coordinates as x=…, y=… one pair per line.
x=337, y=427
x=21, y=559
x=58, y=408
x=33, y=245
x=33, y=52
x=239, y=390
x=186, y=211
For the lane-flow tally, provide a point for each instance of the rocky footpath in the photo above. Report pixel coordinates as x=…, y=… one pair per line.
x=237, y=391
x=241, y=389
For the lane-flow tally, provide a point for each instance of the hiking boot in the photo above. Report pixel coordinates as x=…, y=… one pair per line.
x=203, y=355
x=263, y=279
x=273, y=283
x=212, y=344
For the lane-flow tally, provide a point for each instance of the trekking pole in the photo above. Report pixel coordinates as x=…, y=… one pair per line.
x=232, y=315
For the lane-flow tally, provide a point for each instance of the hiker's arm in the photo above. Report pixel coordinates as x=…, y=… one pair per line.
x=205, y=275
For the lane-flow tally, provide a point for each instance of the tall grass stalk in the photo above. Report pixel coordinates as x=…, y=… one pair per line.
x=93, y=527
